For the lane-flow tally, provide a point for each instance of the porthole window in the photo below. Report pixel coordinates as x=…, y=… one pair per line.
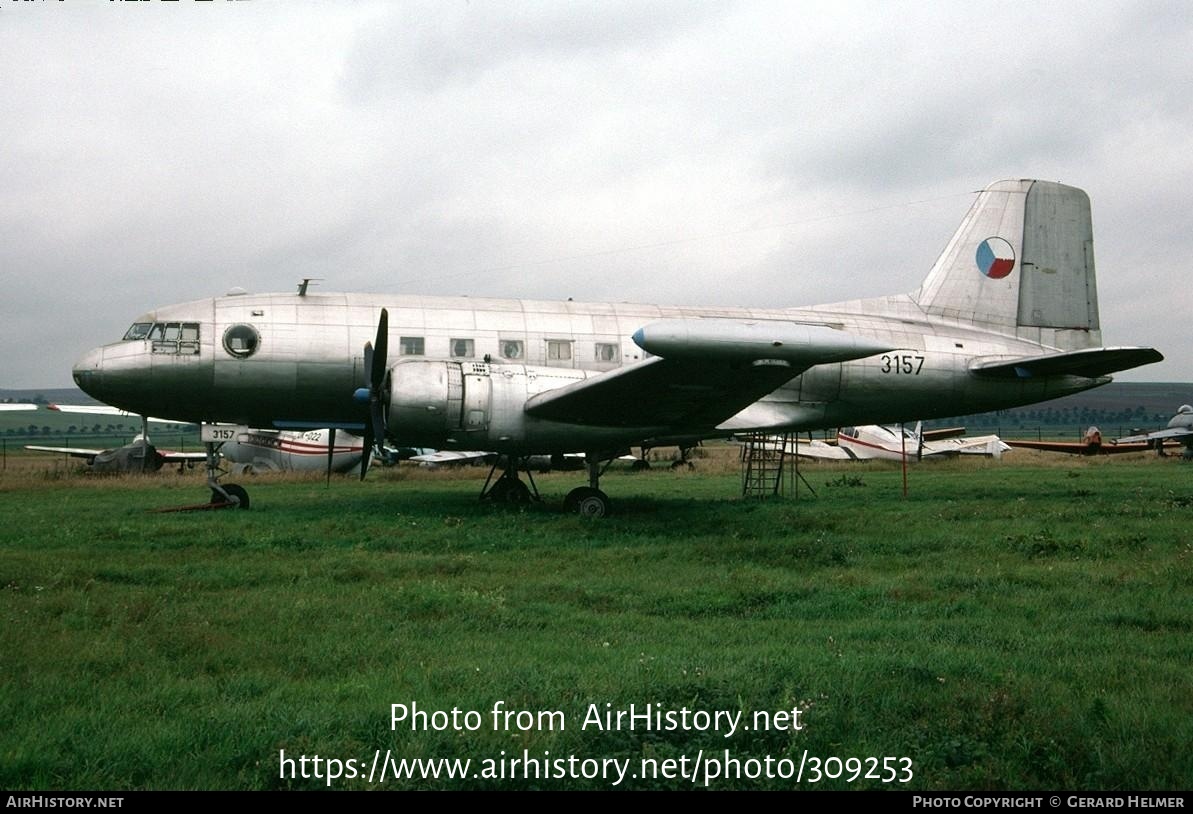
x=241, y=341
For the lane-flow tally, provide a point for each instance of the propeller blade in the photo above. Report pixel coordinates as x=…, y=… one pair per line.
x=377, y=419
x=376, y=359
x=368, y=451
x=381, y=348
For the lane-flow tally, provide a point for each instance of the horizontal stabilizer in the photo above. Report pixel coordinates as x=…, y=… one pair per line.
x=1090, y=363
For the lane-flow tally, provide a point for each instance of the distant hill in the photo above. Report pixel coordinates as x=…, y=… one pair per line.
x=49, y=395
x=1119, y=406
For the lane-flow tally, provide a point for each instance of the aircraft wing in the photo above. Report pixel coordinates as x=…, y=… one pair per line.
x=450, y=456
x=1079, y=447
x=978, y=444
x=1172, y=433
x=661, y=393
x=182, y=457
x=821, y=451
x=104, y=409
x=1090, y=363
x=74, y=452
x=705, y=372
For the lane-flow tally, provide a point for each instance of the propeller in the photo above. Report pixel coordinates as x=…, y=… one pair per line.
x=376, y=395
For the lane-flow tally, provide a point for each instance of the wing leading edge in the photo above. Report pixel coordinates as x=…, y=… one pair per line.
x=705, y=371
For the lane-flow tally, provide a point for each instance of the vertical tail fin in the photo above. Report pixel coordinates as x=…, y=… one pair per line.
x=1022, y=263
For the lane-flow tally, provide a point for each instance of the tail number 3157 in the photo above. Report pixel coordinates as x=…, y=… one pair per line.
x=902, y=363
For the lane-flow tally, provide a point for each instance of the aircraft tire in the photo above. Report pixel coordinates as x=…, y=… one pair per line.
x=518, y=494
x=233, y=490
x=640, y=465
x=509, y=491
x=587, y=502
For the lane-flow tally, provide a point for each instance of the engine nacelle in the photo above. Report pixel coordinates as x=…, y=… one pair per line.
x=474, y=405
x=479, y=406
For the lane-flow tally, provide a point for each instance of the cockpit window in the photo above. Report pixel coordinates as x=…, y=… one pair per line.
x=172, y=338
x=139, y=330
x=241, y=341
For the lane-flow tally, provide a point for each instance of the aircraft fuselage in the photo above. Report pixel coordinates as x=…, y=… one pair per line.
x=464, y=368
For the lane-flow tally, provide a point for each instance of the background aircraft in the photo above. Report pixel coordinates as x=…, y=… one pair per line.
x=1091, y=443
x=893, y=443
x=1180, y=429
x=1007, y=316
x=282, y=451
x=138, y=456
x=568, y=462
x=249, y=451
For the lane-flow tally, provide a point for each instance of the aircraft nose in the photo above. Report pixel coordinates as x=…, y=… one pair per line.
x=88, y=373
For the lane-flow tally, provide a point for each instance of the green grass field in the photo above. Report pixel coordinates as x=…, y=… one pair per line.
x=1013, y=625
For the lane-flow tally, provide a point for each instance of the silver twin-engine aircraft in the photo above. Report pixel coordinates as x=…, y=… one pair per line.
x=1007, y=316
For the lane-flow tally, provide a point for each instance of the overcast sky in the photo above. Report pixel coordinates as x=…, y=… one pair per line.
x=736, y=153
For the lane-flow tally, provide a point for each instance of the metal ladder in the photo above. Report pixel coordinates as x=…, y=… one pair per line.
x=764, y=458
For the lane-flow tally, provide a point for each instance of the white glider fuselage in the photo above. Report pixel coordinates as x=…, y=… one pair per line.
x=528, y=376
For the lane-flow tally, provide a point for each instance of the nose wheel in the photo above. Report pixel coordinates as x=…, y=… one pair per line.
x=228, y=495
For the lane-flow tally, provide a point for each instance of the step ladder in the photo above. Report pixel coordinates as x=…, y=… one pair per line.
x=764, y=458
x=770, y=466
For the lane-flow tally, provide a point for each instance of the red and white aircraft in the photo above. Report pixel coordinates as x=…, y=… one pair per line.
x=896, y=443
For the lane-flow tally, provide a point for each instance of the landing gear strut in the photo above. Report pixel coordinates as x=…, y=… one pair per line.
x=682, y=462
x=508, y=487
x=230, y=495
x=589, y=501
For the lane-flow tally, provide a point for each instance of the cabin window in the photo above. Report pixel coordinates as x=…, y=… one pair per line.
x=411, y=346
x=607, y=352
x=512, y=348
x=463, y=349
x=559, y=350
x=241, y=341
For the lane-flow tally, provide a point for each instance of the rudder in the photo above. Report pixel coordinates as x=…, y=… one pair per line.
x=1021, y=263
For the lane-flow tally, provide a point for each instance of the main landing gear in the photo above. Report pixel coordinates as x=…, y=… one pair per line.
x=508, y=488
x=587, y=501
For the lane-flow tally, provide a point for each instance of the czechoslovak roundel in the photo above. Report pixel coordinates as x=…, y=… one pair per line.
x=996, y=258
